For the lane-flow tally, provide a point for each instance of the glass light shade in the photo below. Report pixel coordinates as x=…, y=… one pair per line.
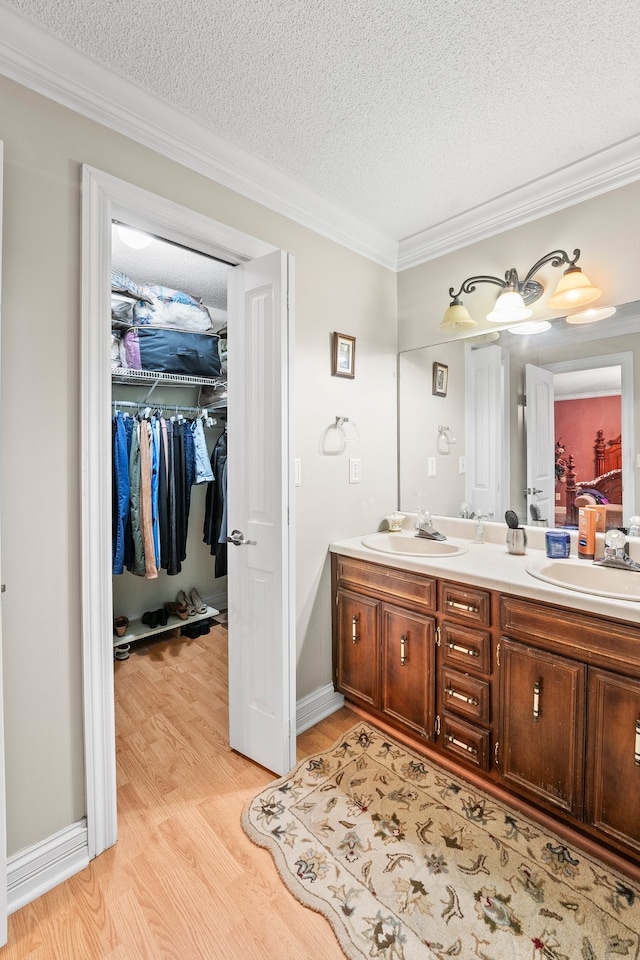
x=457, y=317
x=133, y=238
x=534, y=326
x=590, y=316
x=574, y=290
x=509, y=308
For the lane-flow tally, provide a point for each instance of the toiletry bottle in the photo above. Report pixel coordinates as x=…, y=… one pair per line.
x=586, y=533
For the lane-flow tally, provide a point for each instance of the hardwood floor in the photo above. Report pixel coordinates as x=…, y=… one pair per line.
x=183, y=882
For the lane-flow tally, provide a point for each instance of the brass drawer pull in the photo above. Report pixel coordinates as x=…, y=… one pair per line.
x=354, y=628
x=461, y=696
x=403, y=655
x=536, y=700
x=636, y=753
x=463, y=746
x=470, y=651
x=467, y=607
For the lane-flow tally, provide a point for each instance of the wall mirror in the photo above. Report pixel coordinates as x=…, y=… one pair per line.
x=490, y=443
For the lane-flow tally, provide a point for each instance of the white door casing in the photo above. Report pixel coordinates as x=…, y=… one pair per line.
x=487, y=430
x=261, y=629
x=541, y=477
x=106, y=198
x=3, y=805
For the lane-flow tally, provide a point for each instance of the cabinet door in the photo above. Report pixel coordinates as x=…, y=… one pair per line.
x=541, y=742
x=613, y=756
x=358, y=661
x=408, y=674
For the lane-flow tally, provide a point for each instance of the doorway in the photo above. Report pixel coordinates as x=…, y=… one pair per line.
x=105, y=199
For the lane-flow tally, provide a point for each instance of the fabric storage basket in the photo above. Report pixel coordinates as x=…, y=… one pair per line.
x=172, y=351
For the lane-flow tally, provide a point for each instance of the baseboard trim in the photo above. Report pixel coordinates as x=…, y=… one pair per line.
x=320, y=704
x=43, y=866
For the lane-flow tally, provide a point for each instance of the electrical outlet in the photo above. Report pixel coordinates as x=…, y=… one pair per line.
x=431, y=467
x=354, y=470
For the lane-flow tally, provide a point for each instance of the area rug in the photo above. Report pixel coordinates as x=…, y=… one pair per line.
x=407, y=861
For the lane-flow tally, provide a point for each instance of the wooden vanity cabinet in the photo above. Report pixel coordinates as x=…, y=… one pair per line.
x=542, y=714
x=464, y=674
x=384, y=643
x=613, y=756
x=536, y=701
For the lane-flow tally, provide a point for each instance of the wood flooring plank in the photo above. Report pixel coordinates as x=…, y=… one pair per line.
x=183, y=882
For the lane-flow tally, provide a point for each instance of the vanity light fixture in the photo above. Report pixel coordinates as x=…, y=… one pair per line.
x=574, y=289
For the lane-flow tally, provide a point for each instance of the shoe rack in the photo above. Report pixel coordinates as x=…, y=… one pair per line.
x=137, y=630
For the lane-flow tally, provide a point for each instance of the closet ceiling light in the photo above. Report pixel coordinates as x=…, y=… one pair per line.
x=133, y=238
x=574, y=289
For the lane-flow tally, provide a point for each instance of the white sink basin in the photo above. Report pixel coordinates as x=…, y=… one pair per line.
x=409, y=545
x=587, y=577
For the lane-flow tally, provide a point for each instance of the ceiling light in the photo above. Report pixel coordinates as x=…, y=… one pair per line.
x=591, y=315
x=133, y=238
x=535, y=326
x=574, y=290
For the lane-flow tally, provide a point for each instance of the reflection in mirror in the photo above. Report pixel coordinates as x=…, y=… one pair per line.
x=539, y=421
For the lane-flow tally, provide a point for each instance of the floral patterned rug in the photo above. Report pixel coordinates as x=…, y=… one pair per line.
x=407, y=861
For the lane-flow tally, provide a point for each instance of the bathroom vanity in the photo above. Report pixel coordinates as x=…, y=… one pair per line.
x=523, y=686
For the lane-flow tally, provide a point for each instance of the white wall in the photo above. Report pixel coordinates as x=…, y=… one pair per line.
x=45, y=146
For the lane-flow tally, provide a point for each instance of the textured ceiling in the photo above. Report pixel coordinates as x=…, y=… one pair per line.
x=405, y=112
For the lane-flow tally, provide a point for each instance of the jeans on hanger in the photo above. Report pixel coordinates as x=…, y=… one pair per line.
x=120, y=488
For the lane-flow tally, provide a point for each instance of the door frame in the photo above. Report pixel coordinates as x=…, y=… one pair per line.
x=3, y=801
x=105, y=198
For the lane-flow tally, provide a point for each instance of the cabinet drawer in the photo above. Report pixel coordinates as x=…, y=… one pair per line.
x=399, y=585
x=465, y=741
x=460, y=602
x=462, y=647
x=462, y=694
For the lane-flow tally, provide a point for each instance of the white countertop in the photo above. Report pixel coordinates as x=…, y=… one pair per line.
x=490, y=565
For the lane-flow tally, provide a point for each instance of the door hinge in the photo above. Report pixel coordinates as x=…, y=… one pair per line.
x=522, y=399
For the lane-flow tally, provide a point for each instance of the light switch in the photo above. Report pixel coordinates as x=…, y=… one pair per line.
x=431, y=467
x=297, y=471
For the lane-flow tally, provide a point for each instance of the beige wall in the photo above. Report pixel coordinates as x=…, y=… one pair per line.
x=45, y=146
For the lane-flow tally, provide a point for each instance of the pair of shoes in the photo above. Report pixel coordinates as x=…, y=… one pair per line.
x=193, y=630
x=197, y=601
x=155, y=618
x=120, y=625
x=122, y=652
x=177, y=609
x=186, y=602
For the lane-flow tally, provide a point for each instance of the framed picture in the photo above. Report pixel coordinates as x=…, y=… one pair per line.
x=440, y=379
x=343, y=356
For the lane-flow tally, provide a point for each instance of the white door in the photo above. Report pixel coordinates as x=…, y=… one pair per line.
x=260, y=561
x=541, y=477
x=487, y=431
x=3, y=811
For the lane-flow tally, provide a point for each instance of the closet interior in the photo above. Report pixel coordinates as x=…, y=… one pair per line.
x=169, y=410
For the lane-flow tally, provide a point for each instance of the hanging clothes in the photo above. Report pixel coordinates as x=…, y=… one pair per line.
x=215, y=517
x=154, y=467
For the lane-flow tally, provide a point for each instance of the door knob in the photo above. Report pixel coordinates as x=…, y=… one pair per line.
x=237, y=538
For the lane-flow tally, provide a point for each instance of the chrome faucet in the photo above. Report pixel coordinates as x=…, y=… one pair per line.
x=425, y=528
x=615, y=552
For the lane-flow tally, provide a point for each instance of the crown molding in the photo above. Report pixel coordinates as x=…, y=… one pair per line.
x=603, y=171
x=52, y=67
